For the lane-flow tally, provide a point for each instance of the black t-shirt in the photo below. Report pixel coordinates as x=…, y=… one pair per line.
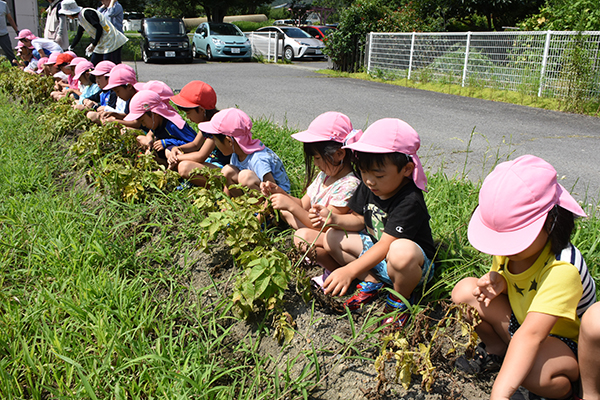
x=404, y=215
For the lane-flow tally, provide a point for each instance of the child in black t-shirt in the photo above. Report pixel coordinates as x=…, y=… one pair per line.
x=386, y=239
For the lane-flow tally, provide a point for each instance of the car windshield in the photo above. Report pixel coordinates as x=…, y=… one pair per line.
x=295, y=33
x=134, y=15
x=326, y=31
x=225, y=30
x=164, y=28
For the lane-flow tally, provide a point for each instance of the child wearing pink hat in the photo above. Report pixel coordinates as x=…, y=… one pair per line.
x=397, y=248
x=251, y=162
x=331, y=187
x=44, y=47
x=199, y=101
x=105, y=98
x=89, y=89
x=166, y=128
x=538, y=287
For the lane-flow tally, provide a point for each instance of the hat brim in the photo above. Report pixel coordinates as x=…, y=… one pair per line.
x=178, y=100
x=207, y=127
x=309, y=137
x=132, y=116
x=99, y=73
x=77, y=76
x=70, y=12
x=496, y=243
x=367, y=148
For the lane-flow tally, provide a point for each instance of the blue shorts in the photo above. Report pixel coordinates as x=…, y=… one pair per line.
x=380, y=270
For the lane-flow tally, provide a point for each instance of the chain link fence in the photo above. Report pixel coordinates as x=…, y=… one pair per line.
x=551, y=63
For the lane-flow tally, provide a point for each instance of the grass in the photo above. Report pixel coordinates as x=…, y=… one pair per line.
x=474, y=90
x=96, y=300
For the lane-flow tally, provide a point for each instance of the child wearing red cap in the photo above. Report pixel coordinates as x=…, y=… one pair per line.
x=198, y=100
x=538, y=287
x=332, y=187
x=166, y=128
x=389, y=205
x=251, y=161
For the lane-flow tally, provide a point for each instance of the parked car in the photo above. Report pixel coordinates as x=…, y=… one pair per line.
x=165, y=39
x=220, y=40
x=132, y=21
x=318, y=31
x=295, y=44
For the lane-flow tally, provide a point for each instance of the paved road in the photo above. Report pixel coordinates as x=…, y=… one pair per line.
x=296, y=94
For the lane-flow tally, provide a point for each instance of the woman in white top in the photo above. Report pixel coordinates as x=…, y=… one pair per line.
x=56, y=25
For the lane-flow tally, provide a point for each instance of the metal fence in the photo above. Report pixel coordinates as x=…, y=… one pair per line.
x=547, y=63
x=265, y=44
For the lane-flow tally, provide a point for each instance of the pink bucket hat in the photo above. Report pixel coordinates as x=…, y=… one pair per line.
x=328, y=126
x=392, y=135
x=235, y=123
x=146, y=100
x=196, y=94
x=103, y=68
x=122, y=74
x=25, y=34
x=514, y=201
x=82, y=67
x=158, y=87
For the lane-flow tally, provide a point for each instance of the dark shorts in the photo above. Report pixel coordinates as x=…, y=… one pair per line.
x=514, y=325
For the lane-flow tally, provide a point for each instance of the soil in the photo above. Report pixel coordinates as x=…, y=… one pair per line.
x=322, y=324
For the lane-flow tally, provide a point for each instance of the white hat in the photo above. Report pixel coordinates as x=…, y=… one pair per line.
x=69, y=7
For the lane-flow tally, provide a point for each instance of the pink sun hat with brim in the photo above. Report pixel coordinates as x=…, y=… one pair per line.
x=71, y=53
x=25, y=34
x=76, y=61
x=514, y=202
x=52, y=58
x=82, y=67
x=103, y=68
x=196, y=94
x=147, y=100
x=158, y=87
x=41, y=62
x=122, y=74
x=329, y=126
x=234, y=123
x=392, y=135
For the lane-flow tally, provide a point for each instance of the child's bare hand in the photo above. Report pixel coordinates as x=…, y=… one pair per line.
x=338, y=283
x=268, y=188
x=318, y=214
x=145, y=141
x=157, y=145
x=281, y=201
x=172, y=159
x=489, y=287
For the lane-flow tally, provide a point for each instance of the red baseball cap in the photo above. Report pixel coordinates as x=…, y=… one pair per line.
x=64, y=58
x=196, y=94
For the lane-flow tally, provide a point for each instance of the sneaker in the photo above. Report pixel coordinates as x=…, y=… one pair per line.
x=481, y=362
x=184, y=185
x=399, y=320
x=365, y=293
x=319, y=280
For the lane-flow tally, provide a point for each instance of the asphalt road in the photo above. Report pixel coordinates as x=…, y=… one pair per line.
x=295, y=94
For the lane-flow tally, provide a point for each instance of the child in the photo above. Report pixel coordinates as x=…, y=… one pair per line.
x=106, y=98
x=166, y=128
x=398, y=247
x=538, y=284
x=87, y=83
x=44, y=47
x=331, y=188
x=121, y=80
x=589, y=353
x=62, y=64
x=198, y=100
x=251, y=162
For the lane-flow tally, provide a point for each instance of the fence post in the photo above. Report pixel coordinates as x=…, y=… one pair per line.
x=464, y=76
x=368, y=51
x=544, y=62
x=410, y=60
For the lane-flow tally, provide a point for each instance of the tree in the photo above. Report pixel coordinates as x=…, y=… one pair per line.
x=561, y=15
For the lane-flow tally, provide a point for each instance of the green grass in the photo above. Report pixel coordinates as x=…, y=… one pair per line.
x=474, y=90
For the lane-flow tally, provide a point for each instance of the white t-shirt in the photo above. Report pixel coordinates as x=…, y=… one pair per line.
x=3, y=12
x=49, y=46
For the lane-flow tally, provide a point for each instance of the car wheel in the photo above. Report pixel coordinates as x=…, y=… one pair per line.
x=209, y=55
x=288, y=53
x=194, y=51
x=145, y=56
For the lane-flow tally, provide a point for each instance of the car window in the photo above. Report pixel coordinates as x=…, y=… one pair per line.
x=162, y=27
x=295, y=32
x=225, y=29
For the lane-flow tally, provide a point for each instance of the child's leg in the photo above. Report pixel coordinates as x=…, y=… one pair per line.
x=249, y=179
x=493, y=329
x=344, y=248
x=231, y=175
x=185, y=169
x=554, y=369
x=589, y=353
x=404, y=265
x=304, y=237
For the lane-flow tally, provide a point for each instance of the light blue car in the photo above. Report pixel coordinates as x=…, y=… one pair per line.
x=220, y=40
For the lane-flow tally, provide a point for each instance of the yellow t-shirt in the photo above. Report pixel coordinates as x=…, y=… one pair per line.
x=549, y=287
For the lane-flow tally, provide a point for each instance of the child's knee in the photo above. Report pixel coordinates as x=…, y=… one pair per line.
x=301, y=239
x=590, y=325
x=228, y=171
x=333, y=240
x=248, y=178
x=404, y=253
x=463, y=291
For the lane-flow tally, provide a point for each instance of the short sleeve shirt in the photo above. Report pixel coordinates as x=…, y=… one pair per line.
x=403, y=216
x=3, y=12
x=549, y=287
x=337, y=194
x=262, y=162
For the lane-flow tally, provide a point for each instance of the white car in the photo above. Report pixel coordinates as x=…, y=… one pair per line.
x=132, y=21
x=295, y=44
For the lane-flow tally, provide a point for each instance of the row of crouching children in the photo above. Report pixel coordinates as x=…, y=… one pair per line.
x=364, y=211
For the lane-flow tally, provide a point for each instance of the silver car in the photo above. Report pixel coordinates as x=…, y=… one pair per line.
x=295, y=44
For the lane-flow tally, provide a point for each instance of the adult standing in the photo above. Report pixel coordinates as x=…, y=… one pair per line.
x=56, y=25
x=4, y=39
x=107, y=41
x=113, y=11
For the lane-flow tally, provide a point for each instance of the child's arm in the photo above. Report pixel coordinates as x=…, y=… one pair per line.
x=489, y=287
x=340, y=280
x=188, y=153
x=349, y=222
x=521, y=354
